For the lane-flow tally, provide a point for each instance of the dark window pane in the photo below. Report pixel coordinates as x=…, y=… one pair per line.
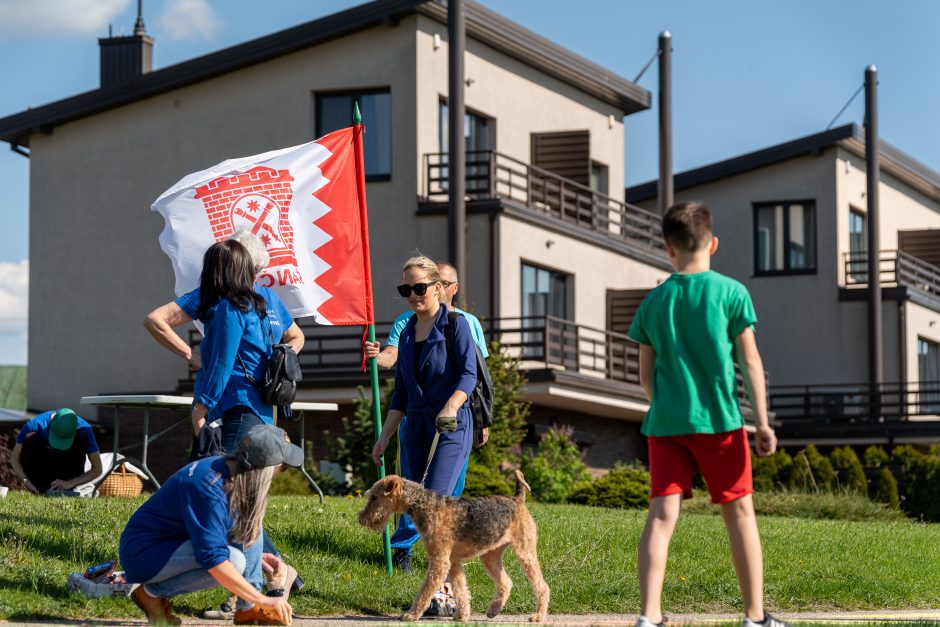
x=335, y=111
x=784, y=237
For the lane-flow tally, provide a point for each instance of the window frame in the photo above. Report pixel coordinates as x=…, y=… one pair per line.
x=568, y=282
x=787, y=270
x=356, y=94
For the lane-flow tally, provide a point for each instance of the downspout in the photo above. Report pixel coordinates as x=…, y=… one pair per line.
x=902, y=341
x=494, y=271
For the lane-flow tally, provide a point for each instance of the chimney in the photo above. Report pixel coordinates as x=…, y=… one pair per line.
x=124, y=58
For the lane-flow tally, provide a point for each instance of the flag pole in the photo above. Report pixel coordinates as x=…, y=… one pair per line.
x=373, y=363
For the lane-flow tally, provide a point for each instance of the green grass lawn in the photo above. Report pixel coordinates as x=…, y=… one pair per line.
x=588, y=556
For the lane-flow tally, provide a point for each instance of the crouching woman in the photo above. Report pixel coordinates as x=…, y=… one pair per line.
x=202, y=528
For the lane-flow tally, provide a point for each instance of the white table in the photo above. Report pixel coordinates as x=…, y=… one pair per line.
x=182, y=404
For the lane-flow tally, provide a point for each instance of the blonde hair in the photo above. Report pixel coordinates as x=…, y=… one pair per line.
x=430, y=267
x=247, y=502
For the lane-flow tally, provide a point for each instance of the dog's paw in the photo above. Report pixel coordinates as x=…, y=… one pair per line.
x=494, y=609
x=537, y=618
x=461, y=617
x=410, y=616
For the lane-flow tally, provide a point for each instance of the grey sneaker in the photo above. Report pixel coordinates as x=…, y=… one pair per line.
x=225, y=612
x=642, y=621
x=769, y=621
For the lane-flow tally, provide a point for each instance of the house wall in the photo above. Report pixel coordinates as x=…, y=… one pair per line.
x=901, y=207
x=920, y=322
x=97, y=269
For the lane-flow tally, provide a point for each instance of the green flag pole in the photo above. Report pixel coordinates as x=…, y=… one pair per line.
x=373, y=363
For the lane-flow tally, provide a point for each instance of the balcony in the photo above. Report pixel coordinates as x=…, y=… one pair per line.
x=896, y=268
x=860, y=412
x=492, y=175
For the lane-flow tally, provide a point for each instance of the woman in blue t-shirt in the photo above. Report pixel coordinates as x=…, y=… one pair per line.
x=236, y=345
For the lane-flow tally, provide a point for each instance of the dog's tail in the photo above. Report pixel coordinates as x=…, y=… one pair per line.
x=521, y=485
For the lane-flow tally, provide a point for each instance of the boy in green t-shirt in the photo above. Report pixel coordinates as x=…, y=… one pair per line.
x=690, y=329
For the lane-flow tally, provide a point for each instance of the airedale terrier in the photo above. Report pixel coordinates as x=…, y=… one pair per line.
x=456, y=530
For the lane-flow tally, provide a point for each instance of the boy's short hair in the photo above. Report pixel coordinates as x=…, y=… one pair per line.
x=687, y=226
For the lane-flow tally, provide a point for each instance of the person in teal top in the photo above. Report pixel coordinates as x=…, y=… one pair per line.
x=691, y=330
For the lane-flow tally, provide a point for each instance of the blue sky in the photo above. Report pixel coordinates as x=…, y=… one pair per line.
x=747, y=74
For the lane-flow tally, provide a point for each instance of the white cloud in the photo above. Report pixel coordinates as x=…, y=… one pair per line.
x=14, y=292
x=188, y=19
x=31, y=17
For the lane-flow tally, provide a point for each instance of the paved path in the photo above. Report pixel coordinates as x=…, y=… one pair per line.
x=899, y=617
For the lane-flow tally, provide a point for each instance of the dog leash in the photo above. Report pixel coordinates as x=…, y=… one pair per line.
x=443, y=424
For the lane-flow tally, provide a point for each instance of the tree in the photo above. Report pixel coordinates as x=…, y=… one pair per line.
x=555, y=467
x=353, y=447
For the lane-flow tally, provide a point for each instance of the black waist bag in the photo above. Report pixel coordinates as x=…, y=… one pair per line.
x=281, y=375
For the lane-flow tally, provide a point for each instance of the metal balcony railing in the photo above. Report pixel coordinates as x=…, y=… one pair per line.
x=491, y=174
x=860, y=404
x=895, y=267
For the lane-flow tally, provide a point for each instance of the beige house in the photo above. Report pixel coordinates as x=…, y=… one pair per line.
x=791, y=220
x=553, y=248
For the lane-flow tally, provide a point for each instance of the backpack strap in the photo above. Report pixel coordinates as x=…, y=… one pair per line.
x=449, y=337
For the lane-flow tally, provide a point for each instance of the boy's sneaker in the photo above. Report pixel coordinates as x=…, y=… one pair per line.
x=642, y=621
x=401, y=560
x=769, y=621
x=442, y=605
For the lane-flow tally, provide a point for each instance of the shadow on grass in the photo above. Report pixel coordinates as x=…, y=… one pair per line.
x=326, y=541
x=42, y=586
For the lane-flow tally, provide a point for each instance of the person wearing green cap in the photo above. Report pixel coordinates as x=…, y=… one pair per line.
x=51, y=449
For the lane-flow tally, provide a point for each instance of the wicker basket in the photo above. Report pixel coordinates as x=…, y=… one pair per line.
x=121, y=482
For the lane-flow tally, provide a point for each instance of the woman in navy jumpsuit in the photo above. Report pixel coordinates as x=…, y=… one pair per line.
x=429, y=384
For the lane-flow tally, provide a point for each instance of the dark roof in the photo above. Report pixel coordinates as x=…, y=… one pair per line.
x=482, y=24
x=851, y=137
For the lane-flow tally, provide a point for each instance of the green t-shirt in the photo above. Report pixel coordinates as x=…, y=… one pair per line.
x=691, y=321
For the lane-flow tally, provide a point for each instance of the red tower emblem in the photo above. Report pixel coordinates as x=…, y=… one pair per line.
x=257, y=200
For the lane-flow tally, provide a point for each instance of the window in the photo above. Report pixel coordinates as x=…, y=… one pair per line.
x=599, y=182
x=928, y=370
x=785, y=237
x=544, y=293
x=476, y=132
x=858, y=246
x=335, y=111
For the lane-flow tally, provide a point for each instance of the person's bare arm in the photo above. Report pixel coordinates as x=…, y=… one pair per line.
x=294, y=336
x=752, y=369
x=16, y=461
x=85, y=477
x=647, y=363
x=392, y=421
x=232, y=580
x=387, y=358
x=160, y=324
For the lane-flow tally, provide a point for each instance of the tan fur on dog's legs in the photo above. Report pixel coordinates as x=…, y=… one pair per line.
x=437, y=572
x=524, y=547
x=458, y=579
x=493, y=563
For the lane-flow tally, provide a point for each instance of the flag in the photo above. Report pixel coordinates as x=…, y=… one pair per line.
x=305, y=203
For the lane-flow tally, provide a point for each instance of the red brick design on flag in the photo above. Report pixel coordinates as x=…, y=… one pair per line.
x=348, y=278
x=258, y=200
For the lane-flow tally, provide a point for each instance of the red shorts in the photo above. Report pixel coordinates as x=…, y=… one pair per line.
x=723, y=458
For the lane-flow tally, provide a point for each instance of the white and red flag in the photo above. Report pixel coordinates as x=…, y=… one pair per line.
x=306, y=203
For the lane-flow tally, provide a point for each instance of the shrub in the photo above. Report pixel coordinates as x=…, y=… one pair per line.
x=875, y=457
x=906, y=455
x=824, y=506
x=509, y=420
x=353, y=447
x=622, y=487
x=555, y=467
x=851, y=474
x=772, y=472
x=887, y=489
x=293, y=482
x=811, y=471
x=923, y=488
x=484, y=480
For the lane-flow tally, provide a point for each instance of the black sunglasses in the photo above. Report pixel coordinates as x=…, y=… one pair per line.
x=420, y=289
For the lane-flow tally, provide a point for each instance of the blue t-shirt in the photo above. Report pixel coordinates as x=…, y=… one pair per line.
x=221, y=383
x=191, y=505
x=476, y=330
x=278, y=314
x=42, y=423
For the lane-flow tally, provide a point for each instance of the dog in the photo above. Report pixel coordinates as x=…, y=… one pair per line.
x=456, y=530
